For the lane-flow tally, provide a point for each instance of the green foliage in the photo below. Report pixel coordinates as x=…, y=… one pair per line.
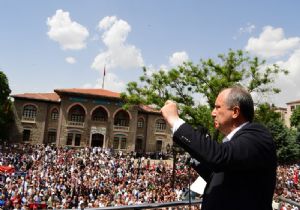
x=285, y=139
x=191, y=83
x=295, y=118
x=265, y=113
x=288, y=150
x=6, y=115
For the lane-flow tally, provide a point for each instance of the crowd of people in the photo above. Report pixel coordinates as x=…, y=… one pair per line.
x=288, y=185
x=47, y=177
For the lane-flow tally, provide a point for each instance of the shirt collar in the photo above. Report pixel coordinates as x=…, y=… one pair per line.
x=230, y=135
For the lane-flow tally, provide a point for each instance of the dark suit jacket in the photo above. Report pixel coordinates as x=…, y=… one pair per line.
x=240, y=174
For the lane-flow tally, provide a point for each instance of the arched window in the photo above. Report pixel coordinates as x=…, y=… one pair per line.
x=121, y=118
x=140, y=123
x=54, y=114
x=29, y=112
x=99, y=114
x=76, y=114
x=160, y=125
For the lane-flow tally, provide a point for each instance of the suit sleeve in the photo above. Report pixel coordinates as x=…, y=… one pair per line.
x=250, y=148
x=203, y=171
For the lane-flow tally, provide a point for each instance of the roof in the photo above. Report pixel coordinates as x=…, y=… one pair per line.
x=294, y=102
x=39, y=96
x=280, y=108
x=147, y=108
x=89, y=92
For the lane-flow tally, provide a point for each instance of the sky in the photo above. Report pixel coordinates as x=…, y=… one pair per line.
x=53, y=44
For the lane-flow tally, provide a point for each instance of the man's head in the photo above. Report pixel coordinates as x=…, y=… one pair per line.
x=233, y=107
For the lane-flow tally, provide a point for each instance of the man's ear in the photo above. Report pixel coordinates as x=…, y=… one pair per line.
x=236, y=112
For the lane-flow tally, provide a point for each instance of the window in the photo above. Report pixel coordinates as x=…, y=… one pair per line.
x=76, y=114
x=139, y=144
x=116, y=143
x=122, y=119
x=99, y=114
x=123, y=143
x=54, y=115
x=158, y=145
x=69, y=139
x=160, y=125
x=77, y=139
x=51, y=137
x=292, y=108
x=140, y=123
x=29, y=112
x=77, y=118
x=26, y=135
x=119, y=142
x=73, y=136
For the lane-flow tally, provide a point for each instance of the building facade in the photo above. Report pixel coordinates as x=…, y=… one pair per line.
x=88, y=117
x=291, y=106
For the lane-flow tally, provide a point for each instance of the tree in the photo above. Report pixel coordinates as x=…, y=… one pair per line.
x=189, y=83
x=265, y=113
x=288, y=150
x=295, y=121
x=285, y=139
x=6, y=115
x=295, y=117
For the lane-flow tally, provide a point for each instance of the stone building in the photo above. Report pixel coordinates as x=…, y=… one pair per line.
x=88, y=117
x=290, y=108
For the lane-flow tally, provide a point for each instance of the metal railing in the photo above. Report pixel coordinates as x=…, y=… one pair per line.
x=176, y=205
x=284, y=200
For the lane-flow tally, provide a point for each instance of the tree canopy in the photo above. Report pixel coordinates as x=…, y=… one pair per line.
x=288, y=150
x=6, y=115
x=295, y=117
x=195, y=86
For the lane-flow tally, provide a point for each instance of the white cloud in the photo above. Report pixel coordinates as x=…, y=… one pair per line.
x=69, y=34
x=247, y=29
x=70, y=60
x=111, y=82
x=178, y=58
x=291, y=83
x=119, y=54
x=272, y=43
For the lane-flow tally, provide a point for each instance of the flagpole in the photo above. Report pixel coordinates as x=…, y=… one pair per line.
x=103, y=77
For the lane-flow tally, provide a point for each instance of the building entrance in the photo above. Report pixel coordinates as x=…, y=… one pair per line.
x=97, y=140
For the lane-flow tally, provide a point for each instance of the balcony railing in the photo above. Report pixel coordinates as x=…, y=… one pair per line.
x=76, y=124
x=28, y=119
x=160, y=131
x=121, y=128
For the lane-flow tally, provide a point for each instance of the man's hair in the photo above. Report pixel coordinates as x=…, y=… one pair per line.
x=238, y=96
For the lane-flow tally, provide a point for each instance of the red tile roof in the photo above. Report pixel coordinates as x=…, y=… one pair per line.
x=39, y=96
x=91, y=92
x=294, y=102
x=148, y=108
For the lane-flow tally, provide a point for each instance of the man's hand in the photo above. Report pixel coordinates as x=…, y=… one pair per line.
x=170, y=112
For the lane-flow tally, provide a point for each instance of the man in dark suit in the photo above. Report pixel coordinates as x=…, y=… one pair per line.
x=241, y=171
